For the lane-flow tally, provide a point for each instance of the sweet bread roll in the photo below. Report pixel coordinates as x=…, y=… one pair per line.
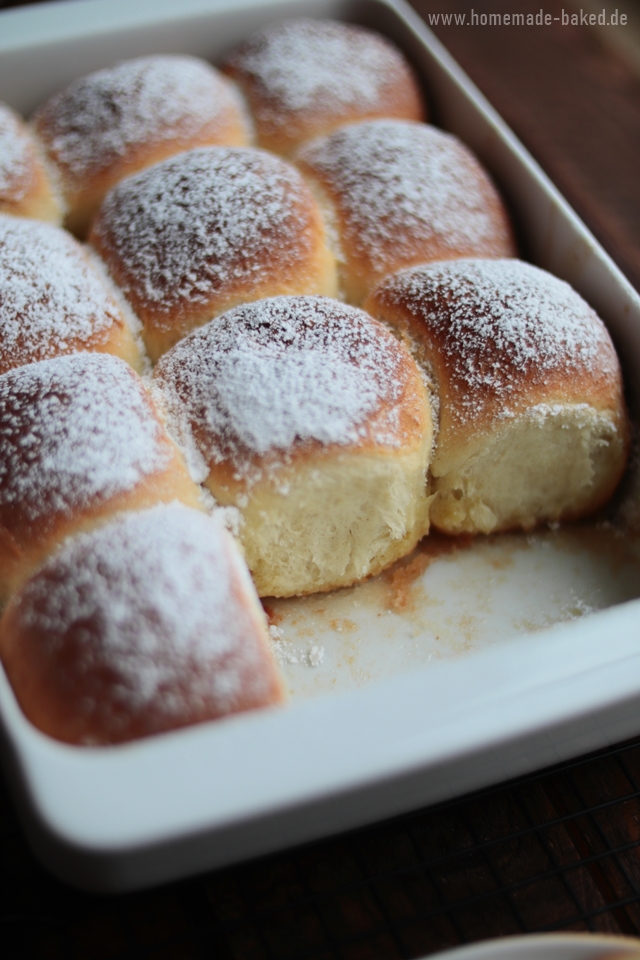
x=147, y=624
x=52, y=300
x=79, y=439
x=304, y=78
x=117, y=121
x=207, y=230
x=25, y=186
x=403, y=193
x=314, y=421
x=533, y=424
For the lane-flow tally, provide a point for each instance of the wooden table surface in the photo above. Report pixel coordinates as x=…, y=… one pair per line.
x=557, y=851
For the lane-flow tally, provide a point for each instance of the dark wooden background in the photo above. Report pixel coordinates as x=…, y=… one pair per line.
x=557, y=851
x=573, y=101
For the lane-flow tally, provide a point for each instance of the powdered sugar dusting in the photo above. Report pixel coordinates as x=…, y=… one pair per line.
x=269, y=375
x=287, y=654
x=160, y=613
x=201, y=222
x=15, y=156
x=497, y=320
x=321, y=66
x=98, y=119
x=404, y=186
x=74, y=431
x=50, y=297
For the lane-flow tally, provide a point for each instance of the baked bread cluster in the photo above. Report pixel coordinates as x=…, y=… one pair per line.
x=104, y=538
x=114, y=122
x=298, y=314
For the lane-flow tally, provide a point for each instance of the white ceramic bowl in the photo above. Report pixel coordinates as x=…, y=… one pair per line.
x=546, y=946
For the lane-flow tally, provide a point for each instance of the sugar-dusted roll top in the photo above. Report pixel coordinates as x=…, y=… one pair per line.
x=285, y=377
x=26, y=189
x=79, y=439
x=532, y=420
x=112, y=123
x=199, y=233
x=498, y=334
x=147, y=624
x=403, y=193
x=313, y=420
x=304, y=78
x=52, y=299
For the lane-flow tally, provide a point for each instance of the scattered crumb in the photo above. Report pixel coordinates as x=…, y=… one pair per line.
x=577, y=606
x=315, y=656
x=287, y=653
x=284, y=652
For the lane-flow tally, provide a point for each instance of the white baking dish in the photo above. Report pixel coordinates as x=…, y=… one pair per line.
x=465, y=688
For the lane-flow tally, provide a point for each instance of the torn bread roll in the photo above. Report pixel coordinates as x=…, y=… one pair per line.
x=305, y=78
x=532, y=419
x=400, y=193
x=112, y=123
x=209, y=229
x=26, y=188
x=79, y=440
x=313, y=420
x=148, y=624
x=52, y=299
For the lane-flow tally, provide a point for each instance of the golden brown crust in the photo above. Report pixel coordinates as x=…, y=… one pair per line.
x=52, y=300
x=113, y=123
x=275, y=383
x=26, y=189
x=207, y=230
x=512, y=351
x=401, y=194
x=305, y=78
x=499, y=337
x=98, y=649
x=313, y=420
x=79, y=441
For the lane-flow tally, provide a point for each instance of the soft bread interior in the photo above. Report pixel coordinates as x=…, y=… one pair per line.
x=332, y=520
x=554, y=461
